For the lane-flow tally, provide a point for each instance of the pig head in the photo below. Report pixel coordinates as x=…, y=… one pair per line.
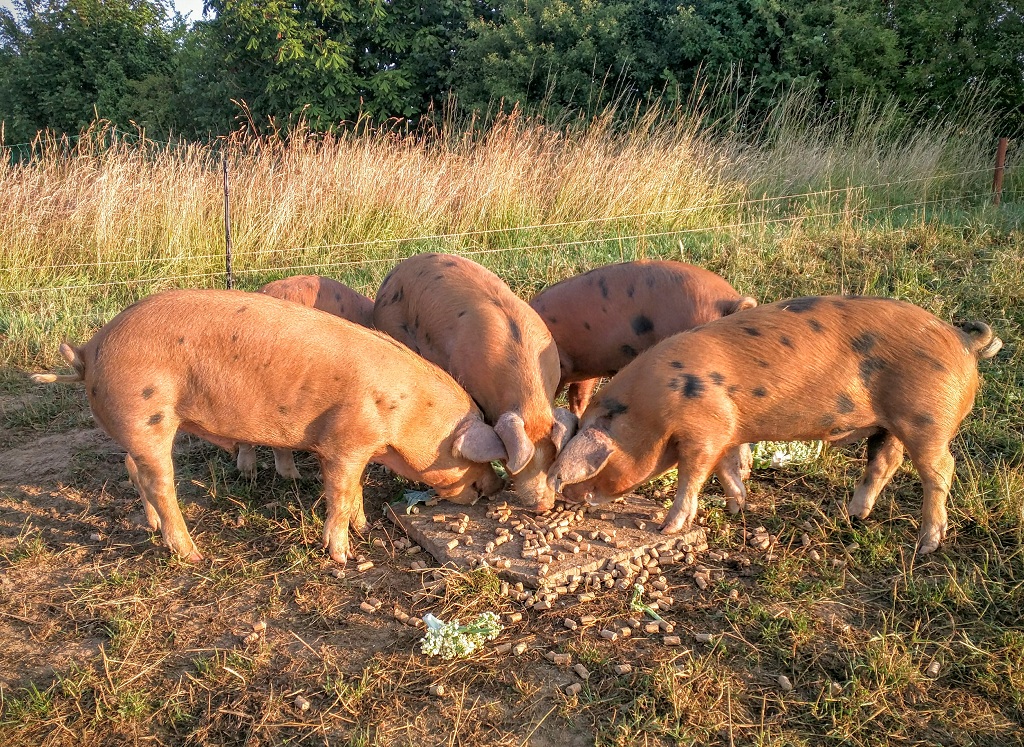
x=462, y=317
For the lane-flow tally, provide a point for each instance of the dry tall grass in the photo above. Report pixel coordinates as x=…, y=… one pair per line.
x=86, y=229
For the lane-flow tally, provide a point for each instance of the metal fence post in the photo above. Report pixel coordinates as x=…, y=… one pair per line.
x=227, y=223
x=997, y=179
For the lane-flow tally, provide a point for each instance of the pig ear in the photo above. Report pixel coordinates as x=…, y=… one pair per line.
x=563, y=428
x=477, y=442
x=742, y=304
x=512, y=432
x=584, y=456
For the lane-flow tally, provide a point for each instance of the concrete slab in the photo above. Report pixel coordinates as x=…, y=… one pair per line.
x=569, y=541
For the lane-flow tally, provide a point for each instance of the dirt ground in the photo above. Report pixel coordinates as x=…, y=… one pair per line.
x=106, y=639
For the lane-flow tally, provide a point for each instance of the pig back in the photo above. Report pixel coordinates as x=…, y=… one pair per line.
x=461, y=316
x=601, y=320
x=323, y=294
x=257, y=369
x=815, y=367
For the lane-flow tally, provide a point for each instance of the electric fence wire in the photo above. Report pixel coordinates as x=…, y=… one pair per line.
x=164, y=281
x=743, y=203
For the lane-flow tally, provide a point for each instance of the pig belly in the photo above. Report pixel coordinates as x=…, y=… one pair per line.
x=280, y=423
x=224, y=405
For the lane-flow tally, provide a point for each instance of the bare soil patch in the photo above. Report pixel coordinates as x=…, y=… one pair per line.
x=107, y=639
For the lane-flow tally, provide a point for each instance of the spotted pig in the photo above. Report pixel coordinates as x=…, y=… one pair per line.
x=324, y=294
x=464, y=318
x=236, y=367
x=833, y=368
x=603, y=319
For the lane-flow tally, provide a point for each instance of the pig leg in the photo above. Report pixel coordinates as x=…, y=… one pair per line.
x=579, y=395
x=246, y=461
x=284, y=463
x=153, y=474
x=730, y=470
x=695, y=466
x=885, y=454
x=343, y=496
x=746, y=457
x=152, y=517
x=935, y=465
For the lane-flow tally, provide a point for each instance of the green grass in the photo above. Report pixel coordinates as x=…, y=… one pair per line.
x=114, y=641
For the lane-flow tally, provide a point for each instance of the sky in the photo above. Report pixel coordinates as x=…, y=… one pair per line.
x=192, y=8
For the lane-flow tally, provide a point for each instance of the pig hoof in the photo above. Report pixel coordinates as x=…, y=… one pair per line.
x=674, y=527
x=339, y=552
x=929, y=541
x=246, y=462
x=339, y=556
x=152, y=521
x=746, y=461
x=290, y=474
x=735, y=505
x=857, y=509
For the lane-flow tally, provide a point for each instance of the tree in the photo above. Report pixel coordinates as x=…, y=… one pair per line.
x=335, y=59
x=65, y=62
x=951, y=46
x=567, y=53
x=207, y=92
x=577, y=53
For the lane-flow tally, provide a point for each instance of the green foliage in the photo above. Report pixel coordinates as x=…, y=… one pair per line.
x=63, y=63
x=336, y=59
x=567, y=53
x=581, y=53
x=205, y=89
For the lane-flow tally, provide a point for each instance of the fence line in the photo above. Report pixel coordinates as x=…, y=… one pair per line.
x=511, y=229
x=481, y=252
x=672, y=211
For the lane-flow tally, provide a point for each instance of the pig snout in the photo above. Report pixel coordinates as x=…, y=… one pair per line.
x=475, y=444
x=530, y=468
x=573, y=472
x=582, y=494
x=531, y=483
x=479, y=482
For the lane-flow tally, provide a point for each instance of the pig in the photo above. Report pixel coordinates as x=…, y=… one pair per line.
x=320, y=293
x=462, y=317
x=324, y=294
x=603, y=319
x=834, y=368
x=232, y=367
